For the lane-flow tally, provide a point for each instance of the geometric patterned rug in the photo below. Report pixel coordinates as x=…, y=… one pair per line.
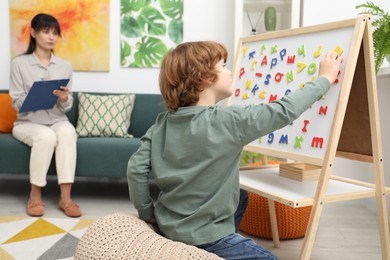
x=27, y=238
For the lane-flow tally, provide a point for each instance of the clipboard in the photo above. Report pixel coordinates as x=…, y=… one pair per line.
x=41, y=95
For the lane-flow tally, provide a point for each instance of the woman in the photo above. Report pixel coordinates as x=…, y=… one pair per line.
x=45, y=131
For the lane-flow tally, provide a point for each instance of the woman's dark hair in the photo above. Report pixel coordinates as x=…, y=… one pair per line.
x=42, y=22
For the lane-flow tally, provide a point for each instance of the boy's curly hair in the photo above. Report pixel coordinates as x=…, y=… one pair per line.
x=185, y=69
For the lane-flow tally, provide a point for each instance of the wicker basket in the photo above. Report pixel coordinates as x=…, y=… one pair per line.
x=292, y=222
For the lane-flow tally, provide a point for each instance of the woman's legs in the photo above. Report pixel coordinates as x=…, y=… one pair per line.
x=65, y=156
x=42, y=141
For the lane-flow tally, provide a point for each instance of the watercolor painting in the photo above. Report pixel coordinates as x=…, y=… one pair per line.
x=85, y=29
x=149, y=29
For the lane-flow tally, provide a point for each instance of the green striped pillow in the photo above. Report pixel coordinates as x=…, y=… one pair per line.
x=104, y=115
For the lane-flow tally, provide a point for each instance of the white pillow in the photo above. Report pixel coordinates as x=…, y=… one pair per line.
x=104, y=115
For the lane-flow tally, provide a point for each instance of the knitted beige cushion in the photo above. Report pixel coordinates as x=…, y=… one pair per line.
x=123, y=236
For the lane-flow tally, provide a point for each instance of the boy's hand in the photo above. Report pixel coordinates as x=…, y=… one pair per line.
x=330, y=65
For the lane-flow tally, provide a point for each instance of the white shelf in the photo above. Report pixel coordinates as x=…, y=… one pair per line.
x=268, y=183
x=287, y=12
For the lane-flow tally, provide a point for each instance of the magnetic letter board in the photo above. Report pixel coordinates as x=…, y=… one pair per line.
x=269, y=66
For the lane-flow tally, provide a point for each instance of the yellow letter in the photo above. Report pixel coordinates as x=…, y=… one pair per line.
x=318, y=52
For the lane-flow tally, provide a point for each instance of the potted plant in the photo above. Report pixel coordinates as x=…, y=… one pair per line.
x=381, y=32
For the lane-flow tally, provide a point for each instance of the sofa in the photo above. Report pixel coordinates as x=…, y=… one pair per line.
x=96, y=156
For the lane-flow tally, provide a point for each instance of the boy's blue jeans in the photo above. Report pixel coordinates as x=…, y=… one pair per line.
x=236, y=246
x=242, y=205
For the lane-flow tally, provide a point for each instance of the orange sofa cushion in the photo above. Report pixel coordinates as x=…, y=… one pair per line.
x=7, y=113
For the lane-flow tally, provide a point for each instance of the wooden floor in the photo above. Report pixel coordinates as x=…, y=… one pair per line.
x=347, y=231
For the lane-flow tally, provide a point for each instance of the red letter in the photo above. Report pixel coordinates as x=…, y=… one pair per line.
x=305, y=122
x=278, y=76
x=317, y=141
x=323, y=110
x=242, y=72
x=272, y=98
x=264, y=61
x=291, y=59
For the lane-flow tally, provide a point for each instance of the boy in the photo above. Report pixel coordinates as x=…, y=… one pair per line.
x=194, y=148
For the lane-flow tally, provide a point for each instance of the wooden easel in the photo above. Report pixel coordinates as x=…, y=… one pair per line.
x=357, y=109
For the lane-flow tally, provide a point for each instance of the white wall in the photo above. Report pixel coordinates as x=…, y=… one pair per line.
x=203, y=20
x=319, y=11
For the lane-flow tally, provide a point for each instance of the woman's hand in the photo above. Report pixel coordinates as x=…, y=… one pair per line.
x=62, y=94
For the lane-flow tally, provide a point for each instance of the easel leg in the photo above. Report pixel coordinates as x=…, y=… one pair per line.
x=311, y=232
x=383, y=225
x=376, y=142
x=316, y=211
x=274, y=223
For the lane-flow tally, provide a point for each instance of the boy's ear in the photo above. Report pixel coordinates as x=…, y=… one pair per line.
x=206, y=80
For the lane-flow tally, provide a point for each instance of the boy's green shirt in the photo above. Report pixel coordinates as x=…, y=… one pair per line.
x=194, y=153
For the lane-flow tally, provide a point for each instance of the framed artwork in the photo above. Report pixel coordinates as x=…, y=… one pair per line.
x=84, y=25
x=149, y=29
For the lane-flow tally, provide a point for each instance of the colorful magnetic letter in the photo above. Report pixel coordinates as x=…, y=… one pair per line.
x=258, y=74
x=252, y=54
x=279, y=76
x=237, y=93
x=245, y=96
x=270, y=138
x=312, y=68
x=318, y=52
x=305, y=123
x=272, y=98
x=274, y=49
x=262, y=49
x=262, y=94
x=298, y=141
x=317, y=141
x=266, y=82
x=323, y=110
x=274, y=61
x=290, y=76
x=301, y=66
x=283, y=139
x=282, y=54
x=248, y=83
x=338, y=50
x=254, y=89
x=291, y=59
x=264, y=61
x=245, y=51
x=302, y=50
x=337, y=79
x=242, y=72
x=253, y=64
x=288, y=91
x=301, y=85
